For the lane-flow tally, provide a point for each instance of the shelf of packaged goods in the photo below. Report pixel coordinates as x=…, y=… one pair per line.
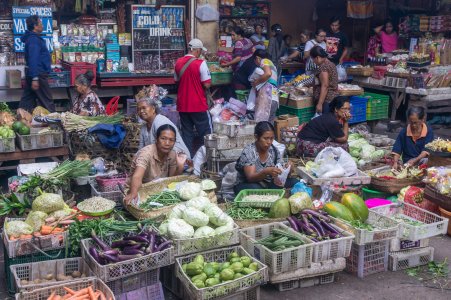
x=245, y=17
x=158, y=49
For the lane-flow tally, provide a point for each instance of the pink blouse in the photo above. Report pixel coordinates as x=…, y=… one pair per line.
x=389, y=42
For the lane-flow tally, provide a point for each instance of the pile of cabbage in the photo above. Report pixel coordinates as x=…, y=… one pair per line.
x=361, y=151
x=195, y=218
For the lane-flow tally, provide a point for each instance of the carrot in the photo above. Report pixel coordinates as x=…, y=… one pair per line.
x=25, y=236
x=51, y=295
x=37, y=234
x=57, y=297
x=67, y=296
x=91, y=293
x=70, y=291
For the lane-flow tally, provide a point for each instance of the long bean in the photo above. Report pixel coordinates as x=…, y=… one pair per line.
x=164, y=198
x=246, y=213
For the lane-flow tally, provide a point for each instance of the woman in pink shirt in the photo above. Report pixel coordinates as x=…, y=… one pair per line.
x=389, y=38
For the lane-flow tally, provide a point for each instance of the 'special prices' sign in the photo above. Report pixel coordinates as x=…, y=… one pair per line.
x=20, y=14
x=19, y=46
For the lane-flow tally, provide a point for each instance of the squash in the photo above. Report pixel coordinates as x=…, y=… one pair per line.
x=338, y=210
x=356, y=205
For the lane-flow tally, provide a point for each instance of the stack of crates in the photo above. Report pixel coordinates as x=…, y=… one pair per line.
x=377, y=106
x=358, y=109
x=411, y=247
x=304, y=114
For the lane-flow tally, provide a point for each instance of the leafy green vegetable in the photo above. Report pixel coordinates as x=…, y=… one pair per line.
x=361, y=225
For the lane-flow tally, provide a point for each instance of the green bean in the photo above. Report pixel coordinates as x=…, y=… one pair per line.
x=246, y=213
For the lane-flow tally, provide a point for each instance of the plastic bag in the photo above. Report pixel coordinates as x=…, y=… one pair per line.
x=327, y=193
x=199, y=159
x=301, y=186
x=342, y=75
x=280, y=147
x=282, y=178
x=206, y=13
x=334, y=162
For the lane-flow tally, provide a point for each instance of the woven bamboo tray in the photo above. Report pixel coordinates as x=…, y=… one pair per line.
x=431, y=194
x=350, y=92
x=394, y=186
x=155, y=187
x=365, y=72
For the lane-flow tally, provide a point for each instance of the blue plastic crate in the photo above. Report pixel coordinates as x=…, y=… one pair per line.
x=358, y=109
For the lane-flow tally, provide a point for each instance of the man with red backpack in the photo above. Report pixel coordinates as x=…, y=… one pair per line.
x=193, y=78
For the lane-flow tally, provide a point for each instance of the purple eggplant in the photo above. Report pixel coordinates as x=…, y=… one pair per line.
x=334, y=235
x=124, y=243
x=313, y=239
x=329, y=227
x=110, y=258
x=152, y=244
x=113, y=252
x=318, y=233
x=316, y=214
x=304, y=218
x=163, y=246
x=94, y=253
x=316, y=223
x=99, y=242
x=124, y=257
x=306, y=228
x=132, y=252
x=293, y=223
x=137, y=238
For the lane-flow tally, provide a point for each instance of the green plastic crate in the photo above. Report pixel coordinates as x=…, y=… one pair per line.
x=220, y=78
x=242, y=95
x=243, y=193
x=377, y=106
x=26, y=259
x=304, y=114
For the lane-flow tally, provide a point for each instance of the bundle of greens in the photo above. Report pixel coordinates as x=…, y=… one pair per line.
x=73, y=122
x=70, y=170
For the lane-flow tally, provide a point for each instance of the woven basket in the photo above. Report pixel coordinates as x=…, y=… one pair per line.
x=393, y=186
x=431, y=194
x=155, y=187
x=348, y=93
x=251, y=223
x=437, y=159
x=365, y=72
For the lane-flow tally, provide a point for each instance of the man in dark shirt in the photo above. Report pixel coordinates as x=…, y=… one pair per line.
x=241, y=77
x=37, y=57
x=322, y=128
x=336, y=42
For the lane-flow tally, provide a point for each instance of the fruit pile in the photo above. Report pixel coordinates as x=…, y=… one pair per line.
x=206, y=274
x=6, y=132
x=21, y=128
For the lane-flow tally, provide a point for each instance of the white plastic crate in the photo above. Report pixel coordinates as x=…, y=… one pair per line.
x=368, y=259
x=280, y=261
x=34, y=245
x=225, y=289
x=400, y=245
x=410, y=258
x=37, y=140
x=114, y=271
x=234, y=128
x=134, y=282
x=401, y=212
x=306, y=282
x=7, y=145
x=385, y=229
x=115, y=196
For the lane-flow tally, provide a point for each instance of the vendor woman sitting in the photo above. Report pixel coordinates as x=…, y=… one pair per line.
x=155, y=161
x=257, y=164
x=328, y=130
x=149, y=112
x=86, y=102
x=411, y=141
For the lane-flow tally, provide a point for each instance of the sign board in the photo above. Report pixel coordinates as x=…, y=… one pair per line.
x=159, y=22
x=6, y=26
x=19, y=46
x=21, y=13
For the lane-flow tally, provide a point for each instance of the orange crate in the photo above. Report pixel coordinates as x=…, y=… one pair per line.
x=77, y=68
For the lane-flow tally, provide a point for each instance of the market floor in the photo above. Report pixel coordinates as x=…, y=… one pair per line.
x=388, y=285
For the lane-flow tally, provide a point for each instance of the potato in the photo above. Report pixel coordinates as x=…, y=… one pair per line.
x=61, y=277
x=76, y=274
x=37, y=281
x=24, y=282
x=49, y=276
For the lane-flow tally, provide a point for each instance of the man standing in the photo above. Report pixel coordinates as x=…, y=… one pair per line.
x=37, y=57
x=336, y=42
x=193, y=78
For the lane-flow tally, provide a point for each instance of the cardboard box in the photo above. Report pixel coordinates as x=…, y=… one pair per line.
x=284, y=121
x=304, y=102
x=13, y=79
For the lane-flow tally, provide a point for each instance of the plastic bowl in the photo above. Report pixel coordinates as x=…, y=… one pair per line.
x=371, y=194
x=97, y=214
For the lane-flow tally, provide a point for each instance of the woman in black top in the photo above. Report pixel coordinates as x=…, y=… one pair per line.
x=328, y=130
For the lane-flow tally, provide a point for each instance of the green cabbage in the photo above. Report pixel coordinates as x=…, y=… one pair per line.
x=36, y=219
x=177, y=212
x=354, y=136
x=199, y=203
x=378, y=154
x=190, y=190
x=208, y=184
x=179, y=229
x=204, y=231
x=367, y=150
x=16, y=228
x=48, y=203
x=217, y=216
x=164, y=227
x=300, y=201
x=195, y=217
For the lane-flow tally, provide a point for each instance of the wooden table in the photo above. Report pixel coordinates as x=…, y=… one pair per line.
x=398, y=95
x=55, y=154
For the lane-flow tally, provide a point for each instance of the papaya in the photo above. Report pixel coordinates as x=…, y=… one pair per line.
x=338, y=210
x=356, y=205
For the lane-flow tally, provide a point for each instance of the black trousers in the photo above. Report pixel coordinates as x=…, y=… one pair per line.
x=199, y=120
x=41, y=97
